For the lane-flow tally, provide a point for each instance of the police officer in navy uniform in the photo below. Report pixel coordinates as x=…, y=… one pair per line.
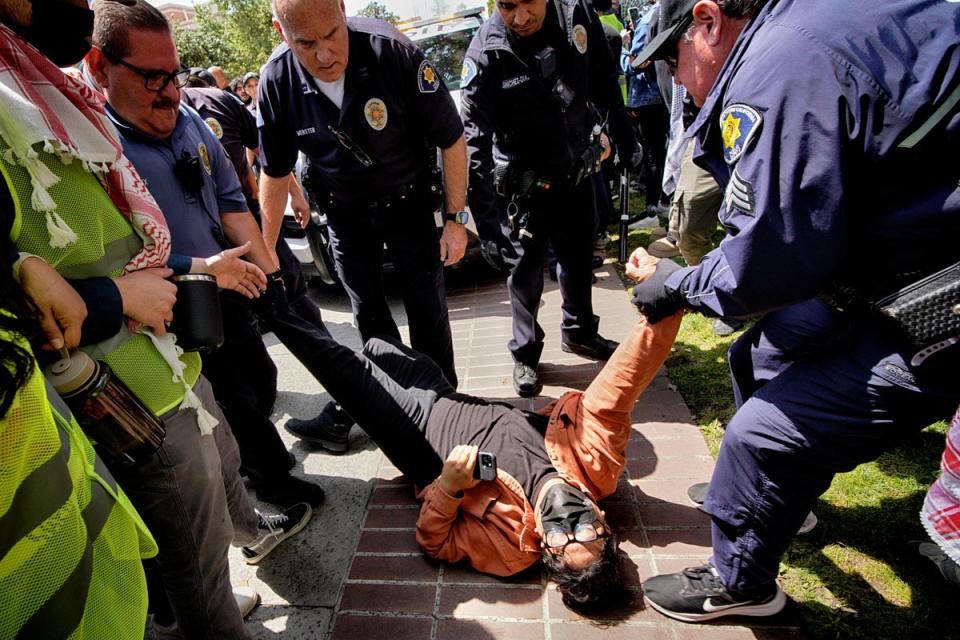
x=369, y=111
x=827, y=124
x=538, y=82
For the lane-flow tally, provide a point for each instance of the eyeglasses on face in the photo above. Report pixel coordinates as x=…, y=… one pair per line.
x=153, y=80
x=557, y=539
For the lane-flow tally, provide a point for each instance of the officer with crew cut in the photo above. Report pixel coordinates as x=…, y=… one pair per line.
x=369, y=112
x=538, y=83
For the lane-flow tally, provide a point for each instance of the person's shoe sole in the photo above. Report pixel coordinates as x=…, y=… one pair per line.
x=586, y=352
x=283, y=536
x=771, y=608
x=252, y=599
x=332, y=447
x=529, y=394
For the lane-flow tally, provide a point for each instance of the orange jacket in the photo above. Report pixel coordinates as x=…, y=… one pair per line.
x=492, y=525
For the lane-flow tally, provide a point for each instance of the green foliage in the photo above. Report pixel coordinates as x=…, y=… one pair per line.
x=374, y=9
x=237, y=35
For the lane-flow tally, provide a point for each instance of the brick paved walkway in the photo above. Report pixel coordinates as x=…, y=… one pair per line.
x=383, y=587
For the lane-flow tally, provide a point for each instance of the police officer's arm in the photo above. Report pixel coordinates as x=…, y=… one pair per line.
x=784, y=206
x=278, y=157
x=430, y=103
x=605, y=89
x=477, y=109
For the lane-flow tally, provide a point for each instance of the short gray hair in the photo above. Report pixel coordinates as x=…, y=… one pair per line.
x=112, y=22
x=740, y=8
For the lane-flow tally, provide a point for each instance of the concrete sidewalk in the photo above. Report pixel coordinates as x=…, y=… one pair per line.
x=356, y=572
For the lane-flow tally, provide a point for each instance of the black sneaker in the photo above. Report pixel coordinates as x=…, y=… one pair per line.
x=723, y=327
x=697, y=493
x=595, y=348
x=275, y=529
x=949, y=569
x=330, y=429
x=526, y=380
x=289, y=490
x=697, y=594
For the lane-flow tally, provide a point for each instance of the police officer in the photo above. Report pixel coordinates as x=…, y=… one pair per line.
x=369, y=129
x=828, y=166
x=538, y=81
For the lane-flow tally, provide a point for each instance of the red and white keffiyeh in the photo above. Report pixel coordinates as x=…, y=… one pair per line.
x=941, y=508
x=40, y=104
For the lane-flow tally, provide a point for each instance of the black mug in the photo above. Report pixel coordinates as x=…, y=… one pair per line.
x=197, y=321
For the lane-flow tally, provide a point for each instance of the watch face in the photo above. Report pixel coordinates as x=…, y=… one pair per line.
x=461, y=217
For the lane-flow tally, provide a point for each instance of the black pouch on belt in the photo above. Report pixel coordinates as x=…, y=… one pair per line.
x=927, y=311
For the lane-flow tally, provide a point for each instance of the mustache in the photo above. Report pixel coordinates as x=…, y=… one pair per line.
x=165, y=103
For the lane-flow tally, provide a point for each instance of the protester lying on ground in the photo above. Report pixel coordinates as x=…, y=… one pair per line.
x=941, y=511
x=553, y=465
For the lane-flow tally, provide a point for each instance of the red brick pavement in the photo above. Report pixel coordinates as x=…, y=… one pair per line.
x=393, y=591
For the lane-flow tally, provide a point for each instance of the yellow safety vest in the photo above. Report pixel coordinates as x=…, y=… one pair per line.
x=105, y=244
x=71, y=543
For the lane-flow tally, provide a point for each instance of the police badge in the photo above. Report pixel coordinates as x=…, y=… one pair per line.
x=215, y=127
x=375, y=111
x=467, y=72
x=580, y=38
x=205, y=158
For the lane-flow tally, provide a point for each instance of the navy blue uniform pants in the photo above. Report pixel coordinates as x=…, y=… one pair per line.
x=565, y=218
x=357, y=237
x=817, y=394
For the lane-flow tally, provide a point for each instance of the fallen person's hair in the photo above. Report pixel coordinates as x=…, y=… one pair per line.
x=593, y=589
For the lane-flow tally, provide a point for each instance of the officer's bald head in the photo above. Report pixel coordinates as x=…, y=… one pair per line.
x=316, y=32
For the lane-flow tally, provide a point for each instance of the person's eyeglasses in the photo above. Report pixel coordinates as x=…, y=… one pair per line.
x=351, y=146
x=674, y=44
x=153, y=80
x=558, y=539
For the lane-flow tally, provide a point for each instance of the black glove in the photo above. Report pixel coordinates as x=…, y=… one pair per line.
x=652, y=297
x=498, y=252
x=274, y=297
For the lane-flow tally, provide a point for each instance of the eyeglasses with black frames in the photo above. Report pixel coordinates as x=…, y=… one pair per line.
x=351, y=146
x=153, y=79
x=557, y=539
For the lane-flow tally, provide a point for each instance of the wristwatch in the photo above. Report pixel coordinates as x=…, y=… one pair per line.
x=460, y=217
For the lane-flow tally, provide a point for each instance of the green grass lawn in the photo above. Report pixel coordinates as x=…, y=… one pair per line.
x=853, y=576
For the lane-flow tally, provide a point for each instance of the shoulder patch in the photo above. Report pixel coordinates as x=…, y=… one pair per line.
x=215, y=127
x=375, y=111
x=467, y=72
x=739, y=195
x=427, y=79
x=738, y=124
x=580, y=38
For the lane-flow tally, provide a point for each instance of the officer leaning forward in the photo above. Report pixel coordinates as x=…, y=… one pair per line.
x=369, y=129
x=538, y=82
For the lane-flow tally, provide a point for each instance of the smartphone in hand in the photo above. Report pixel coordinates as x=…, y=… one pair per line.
x=486, y=467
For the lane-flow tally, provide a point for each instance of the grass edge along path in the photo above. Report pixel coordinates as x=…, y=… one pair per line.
x=853, y=577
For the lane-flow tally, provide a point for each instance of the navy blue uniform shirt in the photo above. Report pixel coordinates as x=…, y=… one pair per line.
x=233, y=124
x=508, y=109
x=802, y=129
x=193, y=218
x=396, y=110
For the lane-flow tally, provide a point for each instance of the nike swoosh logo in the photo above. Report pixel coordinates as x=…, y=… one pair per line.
x=709, y=607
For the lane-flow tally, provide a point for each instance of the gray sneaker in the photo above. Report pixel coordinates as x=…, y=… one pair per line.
x=275, y=529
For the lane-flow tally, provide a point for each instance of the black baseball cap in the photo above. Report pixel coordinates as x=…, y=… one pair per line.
x=675, y=17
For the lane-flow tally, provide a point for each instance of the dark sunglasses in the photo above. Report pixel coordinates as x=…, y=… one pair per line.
x=673, y=44
x=153, y=80
x=351, y=146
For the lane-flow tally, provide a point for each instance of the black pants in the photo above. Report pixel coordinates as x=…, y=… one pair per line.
x=244, y=380
x=565, y=218
x=357, y=237
x=392, y=407
x=652, y=123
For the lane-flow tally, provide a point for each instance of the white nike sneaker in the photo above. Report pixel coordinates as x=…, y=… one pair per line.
x=697, y=594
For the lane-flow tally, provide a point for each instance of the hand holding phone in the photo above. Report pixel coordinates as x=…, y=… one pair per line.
x=486, y=467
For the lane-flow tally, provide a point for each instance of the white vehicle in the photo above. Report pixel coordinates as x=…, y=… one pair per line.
x=444, y=42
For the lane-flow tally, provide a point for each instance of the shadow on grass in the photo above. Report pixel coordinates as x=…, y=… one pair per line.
x=871, y=535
